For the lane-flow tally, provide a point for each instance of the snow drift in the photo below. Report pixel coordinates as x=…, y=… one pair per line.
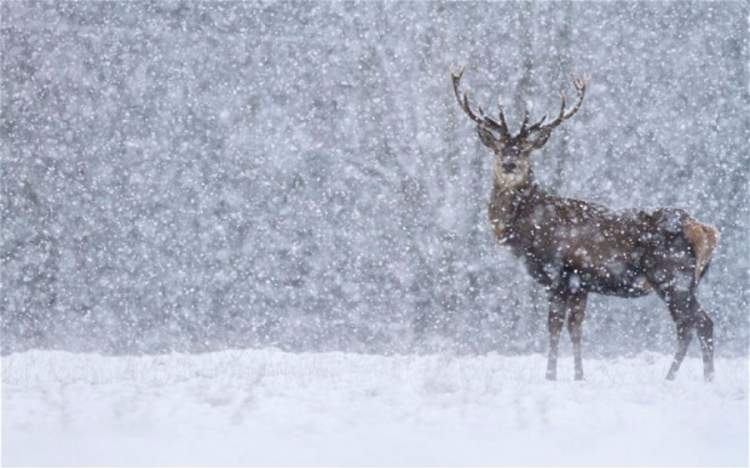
x=270, y=407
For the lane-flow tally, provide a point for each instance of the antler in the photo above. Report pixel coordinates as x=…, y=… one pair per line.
x=485, y=122
x=580, y=86
x=526, y=131
x=523, y=138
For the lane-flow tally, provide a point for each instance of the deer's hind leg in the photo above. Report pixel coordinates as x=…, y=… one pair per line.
x=705, y=329
x=684, y=323
x=674, y=279
x=688, y=315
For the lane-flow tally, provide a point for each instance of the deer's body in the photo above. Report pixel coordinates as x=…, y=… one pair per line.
x=574, y=247
x=573, y=244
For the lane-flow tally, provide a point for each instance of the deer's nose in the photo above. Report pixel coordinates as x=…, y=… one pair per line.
x=509, y=166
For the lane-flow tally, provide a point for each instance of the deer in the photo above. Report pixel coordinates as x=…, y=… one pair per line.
x=573, y=248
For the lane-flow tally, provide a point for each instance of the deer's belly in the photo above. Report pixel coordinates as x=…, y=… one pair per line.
x=628, y=285
x=615, y=277
x=612, y=268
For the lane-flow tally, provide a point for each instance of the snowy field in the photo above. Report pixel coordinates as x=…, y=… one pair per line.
x=275, y=408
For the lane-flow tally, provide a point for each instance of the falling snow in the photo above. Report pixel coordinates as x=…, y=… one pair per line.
x=193, y=177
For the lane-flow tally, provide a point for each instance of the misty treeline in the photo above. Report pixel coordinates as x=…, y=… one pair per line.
x=196, y=176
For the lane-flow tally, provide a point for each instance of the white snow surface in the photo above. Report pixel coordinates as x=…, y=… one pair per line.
x=275, y=408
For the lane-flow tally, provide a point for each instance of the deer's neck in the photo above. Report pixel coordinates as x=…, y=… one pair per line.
x=506, y=203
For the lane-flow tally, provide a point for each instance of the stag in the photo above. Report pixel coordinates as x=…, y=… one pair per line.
x=573, y=247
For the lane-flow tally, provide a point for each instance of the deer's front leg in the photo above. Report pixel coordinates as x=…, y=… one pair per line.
x=555, y=321
x=576, y=313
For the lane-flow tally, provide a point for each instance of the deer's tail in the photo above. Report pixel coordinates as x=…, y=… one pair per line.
x=703, y=238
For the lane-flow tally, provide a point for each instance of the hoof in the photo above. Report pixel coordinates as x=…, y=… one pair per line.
x=578, y=377
x=708, y=377
x=670, y=376
x=551, y=375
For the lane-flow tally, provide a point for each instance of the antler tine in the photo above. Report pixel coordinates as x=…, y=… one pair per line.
x=501, y=114
x=536, y=126
x=580, y=85
x=561, y=115
x=503, y=125
x=463, y=101
x=524, y=122
x=499, y=126
x=539, y=123
x=479, y=117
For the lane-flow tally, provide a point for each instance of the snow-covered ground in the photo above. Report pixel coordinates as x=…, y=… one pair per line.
x=270, y=407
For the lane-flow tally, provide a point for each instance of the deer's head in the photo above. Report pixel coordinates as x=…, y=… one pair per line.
x=512, y=165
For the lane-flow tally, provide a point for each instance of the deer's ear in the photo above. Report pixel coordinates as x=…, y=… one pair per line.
x=487, y=138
